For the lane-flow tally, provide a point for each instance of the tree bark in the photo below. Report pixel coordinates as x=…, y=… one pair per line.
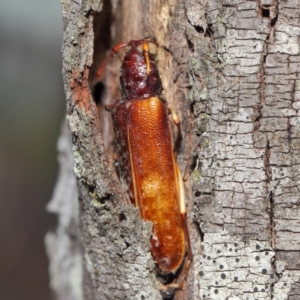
x=230, y=70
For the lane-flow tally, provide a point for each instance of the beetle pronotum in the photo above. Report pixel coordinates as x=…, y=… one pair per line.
x=146, y=157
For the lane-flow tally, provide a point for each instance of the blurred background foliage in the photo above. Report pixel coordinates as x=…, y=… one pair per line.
x=31, y=112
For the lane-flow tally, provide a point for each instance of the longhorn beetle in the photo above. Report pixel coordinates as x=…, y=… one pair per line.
x=146, y=158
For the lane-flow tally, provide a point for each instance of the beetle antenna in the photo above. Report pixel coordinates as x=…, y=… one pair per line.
x=146, y=55
x=113, y=52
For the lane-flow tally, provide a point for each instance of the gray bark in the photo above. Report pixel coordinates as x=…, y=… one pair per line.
x=230, y=70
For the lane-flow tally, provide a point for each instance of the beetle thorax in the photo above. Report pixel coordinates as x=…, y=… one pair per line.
x=135, y=82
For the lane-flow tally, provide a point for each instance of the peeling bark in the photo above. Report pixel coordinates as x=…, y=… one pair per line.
x=230, y=70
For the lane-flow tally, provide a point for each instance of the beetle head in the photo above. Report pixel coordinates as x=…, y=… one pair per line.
x=136, y=82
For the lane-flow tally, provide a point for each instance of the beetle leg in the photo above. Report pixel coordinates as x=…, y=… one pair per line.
x=182, y=207
x=174, y=116
x=176, y=121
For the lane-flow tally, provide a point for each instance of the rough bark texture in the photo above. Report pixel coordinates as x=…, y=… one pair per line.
x=246, y=180
x=230, y=70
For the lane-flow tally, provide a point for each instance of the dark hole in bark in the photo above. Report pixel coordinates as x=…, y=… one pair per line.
x=98, y=92
x=105, y=198
x=194, y=163
x=273, y=21
x=122, y=217
x=199, y=29
x=209, y=30
x=265, y=13
x=265, y=58
x=178, y=140
x=191, y=45
x=200, y=232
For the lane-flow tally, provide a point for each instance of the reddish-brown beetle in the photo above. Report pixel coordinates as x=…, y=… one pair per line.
x=146, y=158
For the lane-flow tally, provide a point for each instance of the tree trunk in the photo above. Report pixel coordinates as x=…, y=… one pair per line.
x=229, y=69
